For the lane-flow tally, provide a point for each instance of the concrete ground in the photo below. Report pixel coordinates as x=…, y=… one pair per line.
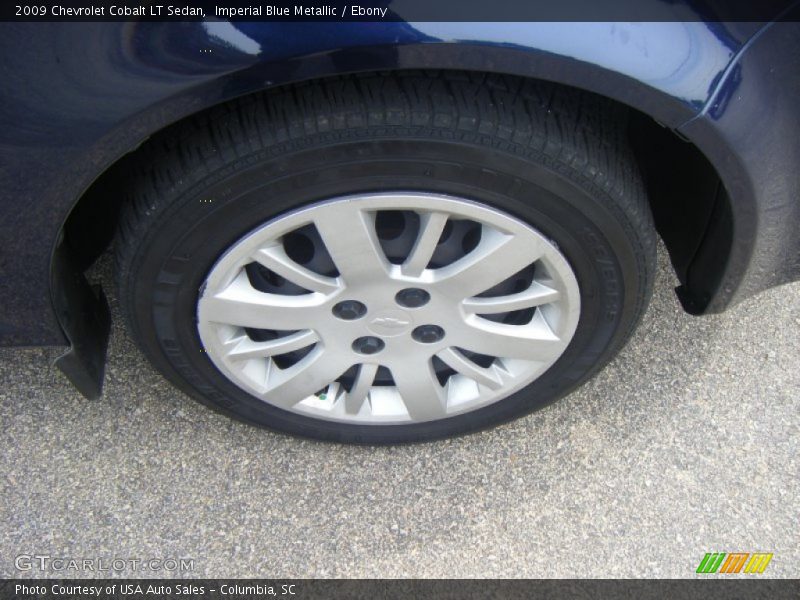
x=685, y=444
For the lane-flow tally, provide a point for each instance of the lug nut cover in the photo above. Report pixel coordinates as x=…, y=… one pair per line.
x=368, y=345
x=349, y=310
x=428, y=334
x=412, y=297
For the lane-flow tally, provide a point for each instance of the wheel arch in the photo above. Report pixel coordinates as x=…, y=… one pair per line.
x=94, y=211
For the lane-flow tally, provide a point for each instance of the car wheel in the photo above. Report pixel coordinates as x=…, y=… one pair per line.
x=387, y=258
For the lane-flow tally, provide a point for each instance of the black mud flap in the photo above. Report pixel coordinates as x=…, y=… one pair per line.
x=83, y=312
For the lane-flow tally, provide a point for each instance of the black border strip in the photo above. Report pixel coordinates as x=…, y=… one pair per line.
x=395, y=10
x=377, y=589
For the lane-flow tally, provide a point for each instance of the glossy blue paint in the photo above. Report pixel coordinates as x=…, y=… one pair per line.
x=78, y=96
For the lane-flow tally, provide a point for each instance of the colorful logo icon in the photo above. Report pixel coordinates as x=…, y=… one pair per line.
x=734, y=562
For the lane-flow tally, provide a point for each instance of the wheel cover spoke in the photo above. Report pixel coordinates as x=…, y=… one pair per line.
x=422, y=394
x=495, y=305
x=349, y=236
x=536, y=295
x=243, y=305
x=431, y=227
x=488, y=376
x=355, y=398
x=535, y=341
x=497, y=257
x=275, y=259
x=286, y=388
x=244, y=348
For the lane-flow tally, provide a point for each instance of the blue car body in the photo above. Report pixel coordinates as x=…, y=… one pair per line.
x=77, y=97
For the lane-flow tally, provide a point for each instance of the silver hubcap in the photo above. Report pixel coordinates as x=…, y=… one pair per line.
x=388, y=308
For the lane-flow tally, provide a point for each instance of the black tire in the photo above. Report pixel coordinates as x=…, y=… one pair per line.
x=553, y=157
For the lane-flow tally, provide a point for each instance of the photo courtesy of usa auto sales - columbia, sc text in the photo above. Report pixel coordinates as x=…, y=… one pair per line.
x=126, y=589
x=157, y=10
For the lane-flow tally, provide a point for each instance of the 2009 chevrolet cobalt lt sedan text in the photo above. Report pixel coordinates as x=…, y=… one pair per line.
x=388, y=232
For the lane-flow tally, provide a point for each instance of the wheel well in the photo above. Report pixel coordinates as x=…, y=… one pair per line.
x=690, y=207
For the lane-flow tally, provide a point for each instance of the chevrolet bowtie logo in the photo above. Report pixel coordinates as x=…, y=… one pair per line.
x=390, y=322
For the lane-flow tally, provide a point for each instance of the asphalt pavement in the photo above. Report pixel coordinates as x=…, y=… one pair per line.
x=685, y=444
